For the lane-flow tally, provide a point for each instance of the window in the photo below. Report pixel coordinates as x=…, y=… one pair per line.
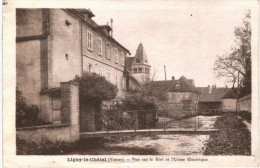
x=108, y=76
x=100, y=71
x=137, y=60
x=122, y=59
x=116, y=80
x=146, y=70
x=100, y=46
x=108, y=51
x=135, y=70
x=116, y=55
x=90, y=68
x=140, y=70
x=89, y=40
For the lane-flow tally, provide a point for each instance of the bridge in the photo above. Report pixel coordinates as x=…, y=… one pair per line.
x=147, y=122
x=146, y=132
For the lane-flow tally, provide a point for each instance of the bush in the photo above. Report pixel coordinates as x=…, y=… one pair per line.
x=139, y=101
x=229, y=121
x=232, y=139
x=27, y=115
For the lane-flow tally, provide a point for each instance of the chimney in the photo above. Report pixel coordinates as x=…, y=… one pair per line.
x=173, y=78
x=111, y=21
x=210, y=89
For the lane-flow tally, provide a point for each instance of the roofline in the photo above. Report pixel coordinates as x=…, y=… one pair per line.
x=141, y=64
x=80, y=17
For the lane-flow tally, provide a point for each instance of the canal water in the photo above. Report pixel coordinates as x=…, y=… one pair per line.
x=173, y=144
x=161, y=144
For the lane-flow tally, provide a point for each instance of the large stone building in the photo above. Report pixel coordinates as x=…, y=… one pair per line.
x=138, y=67
x=55, y=45
x=181, y=94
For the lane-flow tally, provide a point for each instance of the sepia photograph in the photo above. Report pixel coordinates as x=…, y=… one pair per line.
x=166, y=78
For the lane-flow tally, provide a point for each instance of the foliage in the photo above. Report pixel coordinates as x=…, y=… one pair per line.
x=27, y=115
x=229, y=121
x=146, y=107
x=238, y=60
x=113, y=120
x=45, y=148
x=233, y=138
x=95, y=87
x=139, y=101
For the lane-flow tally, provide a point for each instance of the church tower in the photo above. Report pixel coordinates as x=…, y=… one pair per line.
x=141, y=68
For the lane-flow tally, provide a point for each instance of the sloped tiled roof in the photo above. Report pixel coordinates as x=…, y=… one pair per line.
x=162, y=86
x=134, y=81
x=230, y=95
x=170, y=86
x=185, y=86
x=79, y=12
x=245, y=97
x=129, y=63
x=214, y=95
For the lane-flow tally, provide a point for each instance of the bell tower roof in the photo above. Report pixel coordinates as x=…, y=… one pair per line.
x=140, y=56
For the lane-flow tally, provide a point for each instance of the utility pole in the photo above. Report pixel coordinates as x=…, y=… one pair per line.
x=165, y=72
x=237, y=90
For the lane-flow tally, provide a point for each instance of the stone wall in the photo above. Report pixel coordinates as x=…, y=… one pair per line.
x=68, y=130
x=244, y=104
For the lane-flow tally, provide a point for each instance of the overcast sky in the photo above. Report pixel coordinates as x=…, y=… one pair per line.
x=185, y=36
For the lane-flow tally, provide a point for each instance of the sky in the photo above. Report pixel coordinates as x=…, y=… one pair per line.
x=185, y=36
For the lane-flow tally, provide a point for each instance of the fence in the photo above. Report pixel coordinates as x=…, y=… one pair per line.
x=112, y=120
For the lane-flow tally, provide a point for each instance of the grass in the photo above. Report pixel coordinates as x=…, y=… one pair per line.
x=233, y=139
x=45, y=148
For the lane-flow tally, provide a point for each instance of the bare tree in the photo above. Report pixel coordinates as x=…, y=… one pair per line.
x=238, y=60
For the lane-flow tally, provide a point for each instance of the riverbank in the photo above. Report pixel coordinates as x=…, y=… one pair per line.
x=233, y=139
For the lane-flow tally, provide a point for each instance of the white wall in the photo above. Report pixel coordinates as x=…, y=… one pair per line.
x=228, y=105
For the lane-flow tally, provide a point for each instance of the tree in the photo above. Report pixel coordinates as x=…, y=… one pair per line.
x=238, y=60
x=93, y=89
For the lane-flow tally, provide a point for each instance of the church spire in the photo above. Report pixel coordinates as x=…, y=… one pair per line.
x=140, y=56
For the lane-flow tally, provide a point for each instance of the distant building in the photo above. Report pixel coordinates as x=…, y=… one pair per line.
x=229, y=101
x=55, y=45
x=213, y=99
x=138, y=66
x=180, y=94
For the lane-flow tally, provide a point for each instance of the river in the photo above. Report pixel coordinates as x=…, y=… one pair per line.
x=161, y=144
